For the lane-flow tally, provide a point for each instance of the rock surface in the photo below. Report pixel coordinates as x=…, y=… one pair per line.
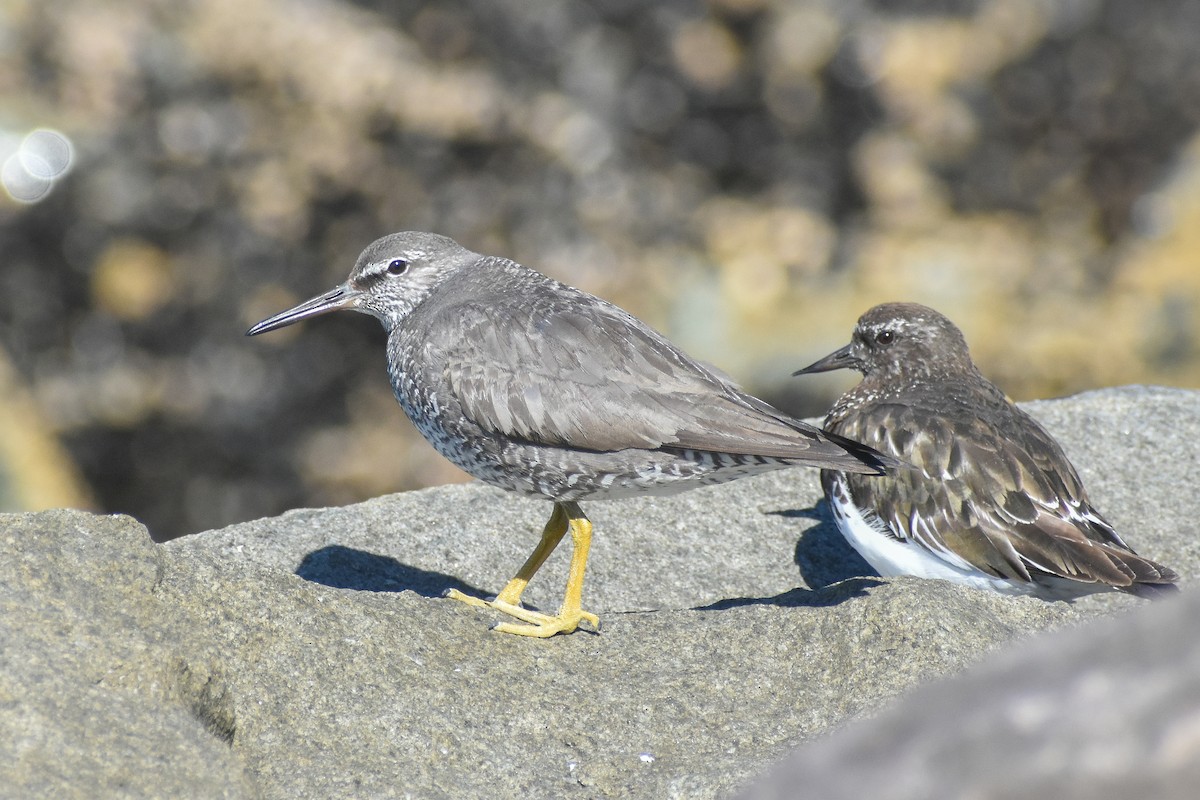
x=1105, y=712
x=107, y=688
x=310, y=655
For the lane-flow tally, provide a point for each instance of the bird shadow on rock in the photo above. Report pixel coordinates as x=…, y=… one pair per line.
x=833, y=570
x=831, y=595
x=348, y=568
x=823, y=555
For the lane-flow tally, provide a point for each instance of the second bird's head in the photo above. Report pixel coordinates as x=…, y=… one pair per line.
x=899, y=341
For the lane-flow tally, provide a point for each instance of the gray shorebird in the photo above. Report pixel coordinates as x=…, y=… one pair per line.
x=992, y=500
x=542, y=389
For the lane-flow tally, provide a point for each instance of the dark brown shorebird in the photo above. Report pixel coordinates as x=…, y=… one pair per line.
x=992, y=502
x=542, y=389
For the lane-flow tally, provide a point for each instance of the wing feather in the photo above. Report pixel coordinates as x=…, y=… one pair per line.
x=1010, y=505
x=594, y=377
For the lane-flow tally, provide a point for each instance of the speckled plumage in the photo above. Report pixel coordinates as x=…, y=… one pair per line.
x=539, y=388
x=992, y=500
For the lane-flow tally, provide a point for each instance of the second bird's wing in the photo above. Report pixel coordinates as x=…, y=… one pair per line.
x=1005, y=501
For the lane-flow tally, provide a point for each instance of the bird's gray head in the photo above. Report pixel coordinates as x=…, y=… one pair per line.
x=900, y=341
x=391, y=278
x=396, y=273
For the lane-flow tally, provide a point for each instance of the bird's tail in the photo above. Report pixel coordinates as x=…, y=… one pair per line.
x=1151, y=580
x=865, y=459
x=1152, y=591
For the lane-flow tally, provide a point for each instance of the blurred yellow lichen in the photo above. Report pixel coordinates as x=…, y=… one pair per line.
x=901, y=188
x=35, y=467
x=363, y=69
x=374, y=453
x=918, y=62
x=800, y=40
x=132, y=279
x=1157, y=283
x=707, y=53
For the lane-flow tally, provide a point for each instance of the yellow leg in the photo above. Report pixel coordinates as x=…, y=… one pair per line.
x=566, y=516
x=510, y=595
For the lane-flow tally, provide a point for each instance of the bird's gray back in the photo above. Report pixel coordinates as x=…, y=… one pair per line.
x=502, y=357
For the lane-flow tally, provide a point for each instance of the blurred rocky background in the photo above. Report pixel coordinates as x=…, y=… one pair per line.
x=748, y=175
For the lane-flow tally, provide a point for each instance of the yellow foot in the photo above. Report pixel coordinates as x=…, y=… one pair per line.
x=536, y=624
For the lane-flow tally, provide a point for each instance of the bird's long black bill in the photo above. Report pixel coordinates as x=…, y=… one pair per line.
x=838, y=359
x=332, y=300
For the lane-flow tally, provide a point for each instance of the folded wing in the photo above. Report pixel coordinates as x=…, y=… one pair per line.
x=594, y=377
x=1014, y=510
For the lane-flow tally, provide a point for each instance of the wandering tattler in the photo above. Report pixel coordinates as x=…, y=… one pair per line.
x=539, y=388
x=993, y=501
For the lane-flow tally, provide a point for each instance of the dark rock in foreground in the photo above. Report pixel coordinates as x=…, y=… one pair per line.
x=1105, y=712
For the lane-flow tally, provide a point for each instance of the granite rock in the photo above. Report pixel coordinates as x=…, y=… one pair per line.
x=1105, y=712
x=106, y=689
x=311, y=655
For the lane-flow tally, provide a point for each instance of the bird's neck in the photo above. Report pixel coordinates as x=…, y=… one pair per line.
x=937, y=384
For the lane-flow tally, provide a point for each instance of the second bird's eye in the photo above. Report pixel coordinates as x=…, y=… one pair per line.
x=397, y=266
x=885, y=337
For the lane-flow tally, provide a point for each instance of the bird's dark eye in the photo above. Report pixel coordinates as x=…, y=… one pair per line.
x=398, y=266
x=885, y=337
